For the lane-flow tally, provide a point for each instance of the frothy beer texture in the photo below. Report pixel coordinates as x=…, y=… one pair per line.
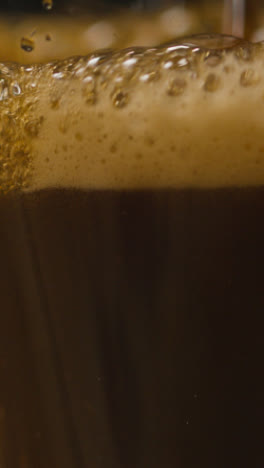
x=183, y=114
x=132, y=259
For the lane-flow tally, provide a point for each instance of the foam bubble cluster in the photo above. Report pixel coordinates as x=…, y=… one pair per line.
x=183, y=114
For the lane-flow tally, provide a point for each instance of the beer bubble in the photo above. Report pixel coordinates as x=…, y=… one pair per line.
x=149, y=76
x=61, y=70
x=167, y=65
x=98, y=59
x=47, y=4
x=214, y=59
x=16, y=90
x=176, y=87
x=32, y=127
x=149, y=141
x=48, y=37
x=79, y=136
x=3, y=89
x=58, y=75
x=178, y=62
x=80, y=70
x=228, y=69
x=130, y=62
x=212, y=83
x=120, y=98
x=249, y=77
x=89, y=90
x=27, y=44
x=244, y=53
x=55, y=100
x=5, y=70
x=113, y=148
x=19, y=151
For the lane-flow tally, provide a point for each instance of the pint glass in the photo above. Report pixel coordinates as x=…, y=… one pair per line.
x=132, y=258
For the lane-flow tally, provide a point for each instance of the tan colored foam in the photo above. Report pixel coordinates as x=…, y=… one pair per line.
x=189, y=114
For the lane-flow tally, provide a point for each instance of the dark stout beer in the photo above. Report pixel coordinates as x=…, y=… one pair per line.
x=131, y=261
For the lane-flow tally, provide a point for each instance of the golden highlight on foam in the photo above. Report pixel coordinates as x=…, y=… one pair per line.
x=184, y=114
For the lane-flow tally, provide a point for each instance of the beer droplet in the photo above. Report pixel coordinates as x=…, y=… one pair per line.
x=47, y=4
x=27, y=44
x=176, y=87
x=249, y=78
x=212, y=83
x=120, y=98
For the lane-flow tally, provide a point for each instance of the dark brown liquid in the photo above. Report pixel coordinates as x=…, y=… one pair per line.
x=131, y=329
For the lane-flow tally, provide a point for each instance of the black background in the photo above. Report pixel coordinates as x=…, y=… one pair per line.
x=35, y=6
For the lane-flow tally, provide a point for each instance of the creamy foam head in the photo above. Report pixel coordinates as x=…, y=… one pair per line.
x=185, y=114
